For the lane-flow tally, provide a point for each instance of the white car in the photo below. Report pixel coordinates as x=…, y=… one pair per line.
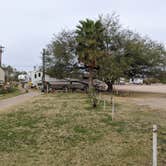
x=138, y=81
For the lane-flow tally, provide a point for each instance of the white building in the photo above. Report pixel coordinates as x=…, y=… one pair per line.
x=2, y=76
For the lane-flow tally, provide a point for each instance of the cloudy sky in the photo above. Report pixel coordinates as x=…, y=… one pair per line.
x=28, y=25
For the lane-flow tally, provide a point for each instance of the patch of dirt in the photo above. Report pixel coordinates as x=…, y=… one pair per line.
x=156, y=88
x=153, y=96
x=6, y=103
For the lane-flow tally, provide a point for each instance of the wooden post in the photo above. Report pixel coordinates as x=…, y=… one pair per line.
x=1, y=51
x=113, y=108
x=154, y=145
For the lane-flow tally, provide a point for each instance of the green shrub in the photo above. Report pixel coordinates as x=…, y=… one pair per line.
x=7, y=90
x=151, y=81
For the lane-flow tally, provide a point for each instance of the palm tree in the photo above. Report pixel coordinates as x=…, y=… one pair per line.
x=90, y=44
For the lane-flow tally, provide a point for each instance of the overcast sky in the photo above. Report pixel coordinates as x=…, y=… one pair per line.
x=28, y=25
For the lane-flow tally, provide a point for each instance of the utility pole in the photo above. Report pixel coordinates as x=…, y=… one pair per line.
x=1, y=51
x=43, y=77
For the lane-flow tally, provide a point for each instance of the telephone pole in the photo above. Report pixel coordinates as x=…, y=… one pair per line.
x=1, y=51
x=43, y=77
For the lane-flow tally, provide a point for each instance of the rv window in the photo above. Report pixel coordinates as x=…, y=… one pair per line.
x=39, y=74
x=35, y=76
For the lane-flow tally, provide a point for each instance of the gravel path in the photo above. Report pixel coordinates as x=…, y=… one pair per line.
x=6, y=103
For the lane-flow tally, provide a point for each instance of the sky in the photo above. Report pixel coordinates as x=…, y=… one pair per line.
x=27, y=26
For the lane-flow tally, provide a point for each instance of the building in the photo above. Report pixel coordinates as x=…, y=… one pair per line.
x=2, y=76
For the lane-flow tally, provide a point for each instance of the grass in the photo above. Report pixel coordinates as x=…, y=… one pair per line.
x=63, y=129
x=14, y=93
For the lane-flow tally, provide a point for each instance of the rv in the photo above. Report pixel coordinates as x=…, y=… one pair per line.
x=36, y=78
x=138, y=81
x=68, y=83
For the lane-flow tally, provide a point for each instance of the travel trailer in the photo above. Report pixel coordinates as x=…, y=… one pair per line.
x=138, y=81
x=23, y=78
x=36, y=78
x=68, y=83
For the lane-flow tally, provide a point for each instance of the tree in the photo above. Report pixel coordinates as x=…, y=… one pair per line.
x=11, y=74
x=111, y=66
x=129, y=54
x=61, y=57
x=90, y=44
x=144, y=57
x=106, y=46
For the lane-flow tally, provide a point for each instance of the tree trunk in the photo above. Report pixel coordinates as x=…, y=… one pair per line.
x=90, y=78
x=110, y=86
x=91, y=88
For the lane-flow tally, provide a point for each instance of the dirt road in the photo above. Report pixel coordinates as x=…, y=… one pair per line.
x=156, y=88
x=153, y=96
x=6, y=103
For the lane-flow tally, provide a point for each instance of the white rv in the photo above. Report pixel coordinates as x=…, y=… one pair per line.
x=36, y=78
x=138, y=81
x=23, y=78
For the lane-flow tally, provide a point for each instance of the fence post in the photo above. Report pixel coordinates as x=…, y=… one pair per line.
x=154, y=145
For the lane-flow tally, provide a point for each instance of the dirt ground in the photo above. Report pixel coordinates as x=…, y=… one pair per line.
x=153, y=96
x=7, y=103
x=156, y=88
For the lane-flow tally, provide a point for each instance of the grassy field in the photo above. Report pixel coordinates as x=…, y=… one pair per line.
x=15, y=92
x=63, y=129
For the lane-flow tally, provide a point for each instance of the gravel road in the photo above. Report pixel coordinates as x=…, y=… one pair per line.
x=6, y=103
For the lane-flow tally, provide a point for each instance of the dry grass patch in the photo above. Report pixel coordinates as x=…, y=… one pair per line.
x=63, y=129
x=14, y=93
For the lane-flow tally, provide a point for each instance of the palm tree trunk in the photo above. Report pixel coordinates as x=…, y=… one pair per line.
x=90, y=78
x=91, y=88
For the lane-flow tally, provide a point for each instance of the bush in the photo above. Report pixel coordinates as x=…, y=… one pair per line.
x=5, y=90
x=149, y=81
